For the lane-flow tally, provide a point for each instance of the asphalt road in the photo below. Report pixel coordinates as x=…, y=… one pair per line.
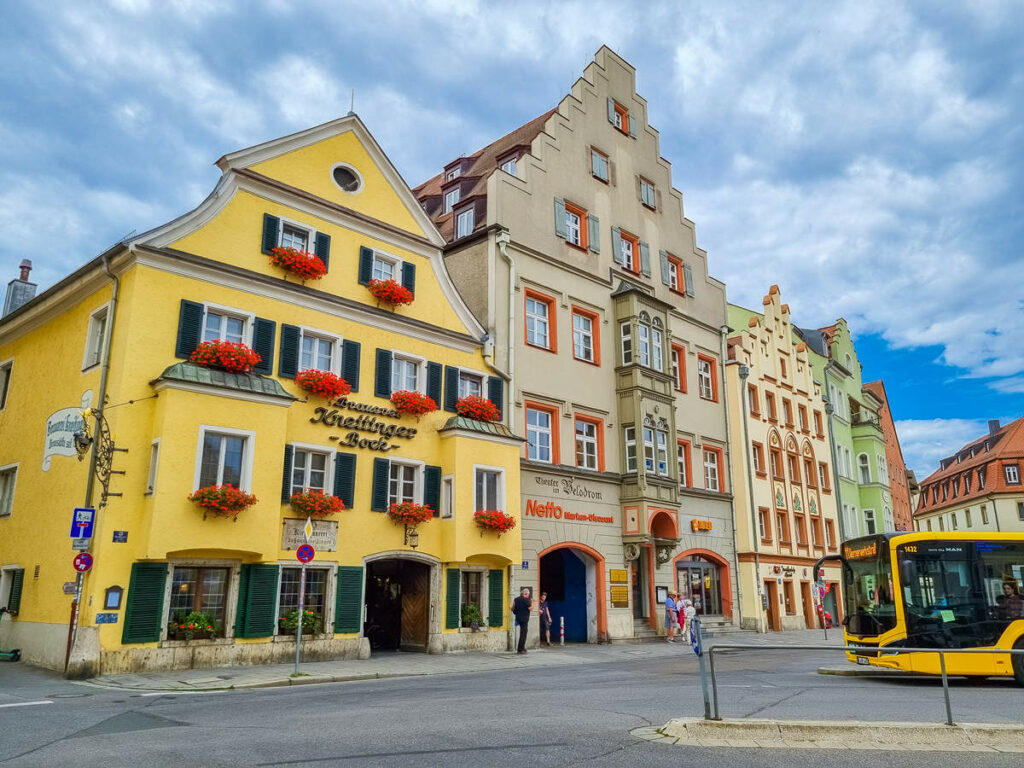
x=560, y=716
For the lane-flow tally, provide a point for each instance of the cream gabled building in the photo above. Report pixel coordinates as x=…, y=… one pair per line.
x=785, y=509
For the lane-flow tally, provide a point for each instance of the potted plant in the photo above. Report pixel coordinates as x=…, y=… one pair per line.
x=471, y=616
x=192, y=626
x=289, y=623
x=476, y=407
x=493, y=520
x=227, y=356
x=414, y=403
x=316, y=504
x=409, y=513
x=222, y=500
x=323, y=383
x=306, y=265
x=390, y=292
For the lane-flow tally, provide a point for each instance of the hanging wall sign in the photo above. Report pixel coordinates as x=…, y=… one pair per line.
x=368, y=429
x=60, y=430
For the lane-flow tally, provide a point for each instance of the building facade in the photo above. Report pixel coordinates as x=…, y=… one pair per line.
x=611, y=332
x=979, y=487
x=862, y=485
x=786, y=513
x=900, y=480
x=101, y=365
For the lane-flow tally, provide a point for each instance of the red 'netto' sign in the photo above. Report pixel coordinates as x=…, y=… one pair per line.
x=554, y=511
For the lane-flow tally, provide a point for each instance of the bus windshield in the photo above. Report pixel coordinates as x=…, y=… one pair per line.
x=960, y=594
x=867, y=573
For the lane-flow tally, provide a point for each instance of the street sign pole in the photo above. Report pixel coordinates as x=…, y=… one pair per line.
x=298, y=630
x=697, y=641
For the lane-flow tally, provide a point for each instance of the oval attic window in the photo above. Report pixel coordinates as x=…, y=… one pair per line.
x=346, y=178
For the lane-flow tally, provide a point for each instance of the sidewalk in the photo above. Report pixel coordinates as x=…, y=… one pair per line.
x=398, y=664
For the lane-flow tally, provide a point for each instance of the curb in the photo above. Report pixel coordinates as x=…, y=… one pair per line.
x=282, y=682
x=869, y=672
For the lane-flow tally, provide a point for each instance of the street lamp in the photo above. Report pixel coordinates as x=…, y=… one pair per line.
x=412, y=539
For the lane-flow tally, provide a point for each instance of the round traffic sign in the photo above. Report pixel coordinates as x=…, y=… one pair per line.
x=695, y=635
x=83, y=562
x=305, y=553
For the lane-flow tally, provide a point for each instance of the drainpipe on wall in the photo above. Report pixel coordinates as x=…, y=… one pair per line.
x=502, y=239
x=755, y=535
x=724, y=332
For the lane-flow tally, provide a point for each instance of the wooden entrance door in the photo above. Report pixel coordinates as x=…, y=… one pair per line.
x=415, y=605
x=805, y=591
x=771, y=588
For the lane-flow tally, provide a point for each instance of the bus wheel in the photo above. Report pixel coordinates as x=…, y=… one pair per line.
x=1018, y=662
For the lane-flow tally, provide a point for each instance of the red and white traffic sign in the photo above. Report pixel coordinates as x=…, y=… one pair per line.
x=305, y=553
x=83, y=562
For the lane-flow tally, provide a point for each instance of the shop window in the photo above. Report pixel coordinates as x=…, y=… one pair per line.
x=403, y=483
x=598, y=164
x=315, y=593
x=489, y=489
x=712, y=470
x=8, y=478
x=202, y=589
x=679, y=367
x=540, y=316
x=95, y=337
x=6, y=369
x=629, y=443
x=310, y=470
x=541, y=433
x=589, y=443
x=586, y=339
x=707, y=381
x=683, y=463
x=225, y=458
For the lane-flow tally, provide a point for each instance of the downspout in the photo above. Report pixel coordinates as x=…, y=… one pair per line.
x=502, y=239
x=724, y=331
x=830, y=410
x=755, y=534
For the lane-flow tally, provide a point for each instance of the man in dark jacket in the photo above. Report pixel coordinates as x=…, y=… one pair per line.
x=521, y=608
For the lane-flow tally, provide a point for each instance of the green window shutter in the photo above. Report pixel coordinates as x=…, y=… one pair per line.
x=288, y=363
x=260, y=601
x=435, y=373
x=350, y=351
x=496, y=393
x=617, y=247
x=645, y=259
x=379, y=493
x=432, y=488
x=322, y=248
x=452, y=617
x=688, y=275
x=263, y=332
x=17, y=582
x=144, y=608
x=382, y=381
x=451, y=387
x=560, y=229
x=663, y=256
x=496, y=597
x=365, y=265
x=243, y=592
x=348, y=599
x=611, y=111
x=286, y=480
x=190, y=328
x=271, y=232
x=345, y=478
x=409, y=276
x=593, y=233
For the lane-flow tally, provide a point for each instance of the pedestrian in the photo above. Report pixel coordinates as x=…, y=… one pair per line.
x=545, y=619
x=522, y=606
x=688, y=612
x=671, y=617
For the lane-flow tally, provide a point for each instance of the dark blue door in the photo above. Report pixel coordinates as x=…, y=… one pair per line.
x=564, y=578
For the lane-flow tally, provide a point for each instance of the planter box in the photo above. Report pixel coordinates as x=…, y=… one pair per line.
x=176, y=634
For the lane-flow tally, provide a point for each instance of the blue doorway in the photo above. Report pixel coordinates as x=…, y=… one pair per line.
x=563, y=576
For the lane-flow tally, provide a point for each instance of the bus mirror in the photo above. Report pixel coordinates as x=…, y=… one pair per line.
x=906, y=572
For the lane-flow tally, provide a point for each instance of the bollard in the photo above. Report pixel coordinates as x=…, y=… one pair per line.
x=561, y=638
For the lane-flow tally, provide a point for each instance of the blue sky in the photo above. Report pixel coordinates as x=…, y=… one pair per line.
x=866, y=156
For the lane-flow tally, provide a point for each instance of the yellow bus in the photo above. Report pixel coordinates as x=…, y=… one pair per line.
x=935, y=590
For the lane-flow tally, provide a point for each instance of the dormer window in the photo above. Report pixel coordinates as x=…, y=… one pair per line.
x=464, y=222
x=454, y=173
x=508, y=164
x=451, y=197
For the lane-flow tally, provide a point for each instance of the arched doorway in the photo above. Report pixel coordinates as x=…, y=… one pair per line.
x=572, y=575
x=398, y=600
x=700, y=580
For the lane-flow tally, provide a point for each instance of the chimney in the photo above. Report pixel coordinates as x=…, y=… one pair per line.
x=993, y=426
x=19, y=291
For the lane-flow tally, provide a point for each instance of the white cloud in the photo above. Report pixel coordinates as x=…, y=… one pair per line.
x=925, y=442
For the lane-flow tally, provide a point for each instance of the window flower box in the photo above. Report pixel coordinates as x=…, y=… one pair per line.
x=289, y=623
x=494, y=520
x=471, y=616
x=315, y=504
x=227, y=356
x=222, y=500
x=390, y=292
x=192, y=626
x=414, y=403
x=478, y=408
x=323, y=383
x=306, y=265
x=408, y=513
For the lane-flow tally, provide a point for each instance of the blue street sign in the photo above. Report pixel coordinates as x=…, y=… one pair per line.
x=81, y=522
x=106, y=618
x=695, y=634
x=120, y=537
x=526, y=565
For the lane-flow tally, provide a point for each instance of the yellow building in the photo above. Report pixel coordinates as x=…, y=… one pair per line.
x=117, y=336
x=785, y=509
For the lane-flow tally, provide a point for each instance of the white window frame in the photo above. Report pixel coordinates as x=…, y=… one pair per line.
x=629, y=442
x=674, y=357
x=469, y=373
x=657, y=349
x=578, y=333
x=1012, y=474
x=681, y=462
x=863, y=468
x=248, y=319
x=418, y=466
x=95, y=345
x=310, y=234
x=448, y=497
x=626, y=342
x=154, y=466
x=673, y=275
x=248, y=453
x=627, y=253
x=6, y=372
x=883, y=472
x=705, y=379
x=822, y=476
x=538, y=321
x=661, y=464
x=573, y=228
x=510, y=165
x=330, y=587
x=540, y=430
x=984, y=514
x=460, y=221
x=330, y=452
x=335, y=340
x=451, y=198
x=421, y=369
x=643, y=344
x=13, y=469
x=454, y=173
x=587, y=441
x=499, y=494
x=386, y=258
x=712, y=472
x=870, y=522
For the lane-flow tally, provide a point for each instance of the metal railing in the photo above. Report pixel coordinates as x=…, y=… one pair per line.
x=855, y=649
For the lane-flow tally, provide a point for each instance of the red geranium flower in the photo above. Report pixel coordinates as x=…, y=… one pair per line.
x=476, y=407
x=494, y=520
x=306, y=265
x=316, y=504
x=390, y=292
x=226, y=355
x=408, y=513
x=222, y=500
x=414, y=403
x=323, y=383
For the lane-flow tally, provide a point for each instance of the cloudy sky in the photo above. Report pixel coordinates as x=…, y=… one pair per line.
x=866, y=156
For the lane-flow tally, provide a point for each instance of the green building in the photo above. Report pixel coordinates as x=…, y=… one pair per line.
x=855, y=432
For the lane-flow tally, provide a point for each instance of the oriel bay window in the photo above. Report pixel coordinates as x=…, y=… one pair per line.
x=629, y=444
x=198, y=588
x=655, y=451
x=626, y=339
x=314, y=598
x=489, y=489
x=224, y=458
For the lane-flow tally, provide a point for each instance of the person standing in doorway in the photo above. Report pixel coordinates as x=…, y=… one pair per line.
x=687, y=612
x=545, y=619
x=671, y=617
x=522, y=606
